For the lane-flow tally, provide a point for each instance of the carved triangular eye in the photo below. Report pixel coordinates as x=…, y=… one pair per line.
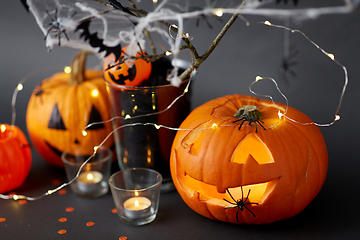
x=56, y=121
x=95, y=117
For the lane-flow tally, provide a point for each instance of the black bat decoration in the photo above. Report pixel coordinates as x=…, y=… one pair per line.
x=25, y=5
x=97, y=42
x=285, y=1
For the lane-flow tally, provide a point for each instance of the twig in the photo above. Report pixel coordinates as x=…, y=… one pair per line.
x=201, y=59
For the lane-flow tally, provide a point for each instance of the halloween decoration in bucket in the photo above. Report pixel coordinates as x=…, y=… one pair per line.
x=240, y=163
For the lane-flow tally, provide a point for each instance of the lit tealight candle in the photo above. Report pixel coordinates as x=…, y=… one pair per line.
x=137, y=207
x=89, y=182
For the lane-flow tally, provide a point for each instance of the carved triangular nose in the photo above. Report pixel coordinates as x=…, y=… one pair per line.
x=252, y=146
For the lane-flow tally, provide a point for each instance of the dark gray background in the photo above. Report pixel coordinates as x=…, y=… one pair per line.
x=244, y=53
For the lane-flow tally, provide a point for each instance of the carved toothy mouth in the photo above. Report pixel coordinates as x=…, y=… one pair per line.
x=259, y=192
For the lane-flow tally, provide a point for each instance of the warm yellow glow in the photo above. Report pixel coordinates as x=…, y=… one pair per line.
x=267, y=23
x=96, y=148
x=90, y=176
x=330, y=55
x=155, y=1
x=84, y=133
x=168, y=53
x=20, y=87
x=3, y=128
x=67, y=69
x=136, y=193
x=148, y=159
x=15, y=197
x=127, y=116
x=157, y=126
x=136, y=203
x=95, y=93
x=337, y=117
x=214, y=125
x=258, y=78
x=218, y=12
x=256, y=192
x=252, y=145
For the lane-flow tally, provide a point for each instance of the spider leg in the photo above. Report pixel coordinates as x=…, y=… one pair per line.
x=237, y=214
x=242, y=124
x=49, y=32
x=247, y=197
x=259, y=121
x=230, y=195
x=250, y=211
x=237, y=120
x=229, y=202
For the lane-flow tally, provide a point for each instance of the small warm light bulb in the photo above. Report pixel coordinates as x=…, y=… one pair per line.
x=258, y=78
x=168, y=53
x=267, y=23
x=155, y=1
x=214, y=125
x=50, y=192
x=330, y=55
x=337, y=117
x=127, y=116
x=95, y=93
x=67, y=69
x=157, y=126
x=218, y=12
x=84, y=133
x=96, y=148
x=20, y=87
x=3, y=128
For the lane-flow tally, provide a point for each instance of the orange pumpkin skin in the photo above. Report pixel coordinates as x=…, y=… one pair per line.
x=123, y=74
x=15, y=158
x=289, y=161
x=58, y=111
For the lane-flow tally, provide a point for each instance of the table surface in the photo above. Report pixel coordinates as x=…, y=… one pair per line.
x=329, y=216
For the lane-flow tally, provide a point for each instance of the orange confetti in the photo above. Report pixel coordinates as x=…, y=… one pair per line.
x=62, y=231
x=2, y=219
x=55, y=182
x=22, y=202
x=89, y=224
x=69, y=209
x=62, y=219
x=123, y=238
x=114, y=210
x=62, y=191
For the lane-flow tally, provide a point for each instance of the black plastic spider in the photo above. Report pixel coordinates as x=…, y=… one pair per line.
x=286, y=64
x=56, y=26
x=251, y=114
x=241, y=203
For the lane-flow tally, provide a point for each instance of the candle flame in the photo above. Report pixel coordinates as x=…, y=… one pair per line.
x=136, y=203
x=90, y=176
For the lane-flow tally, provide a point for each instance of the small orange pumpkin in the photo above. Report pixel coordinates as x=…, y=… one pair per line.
x=247, y=175
x=129, y=73
x=62, y=106
x=15, y=158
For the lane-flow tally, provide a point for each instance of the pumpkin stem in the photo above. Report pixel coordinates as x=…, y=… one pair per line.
x=78, y=65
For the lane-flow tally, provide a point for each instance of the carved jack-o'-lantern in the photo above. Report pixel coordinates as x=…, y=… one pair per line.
x=248, y=174
x=62, y=106
x=129, y=73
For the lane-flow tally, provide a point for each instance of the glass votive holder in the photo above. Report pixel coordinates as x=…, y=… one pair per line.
x=136, y=194
x=92, y=180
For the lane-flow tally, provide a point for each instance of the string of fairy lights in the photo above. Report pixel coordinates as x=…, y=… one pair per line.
x=157, y=126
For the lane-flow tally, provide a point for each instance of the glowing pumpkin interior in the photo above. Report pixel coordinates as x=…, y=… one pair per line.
x=251, y=151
